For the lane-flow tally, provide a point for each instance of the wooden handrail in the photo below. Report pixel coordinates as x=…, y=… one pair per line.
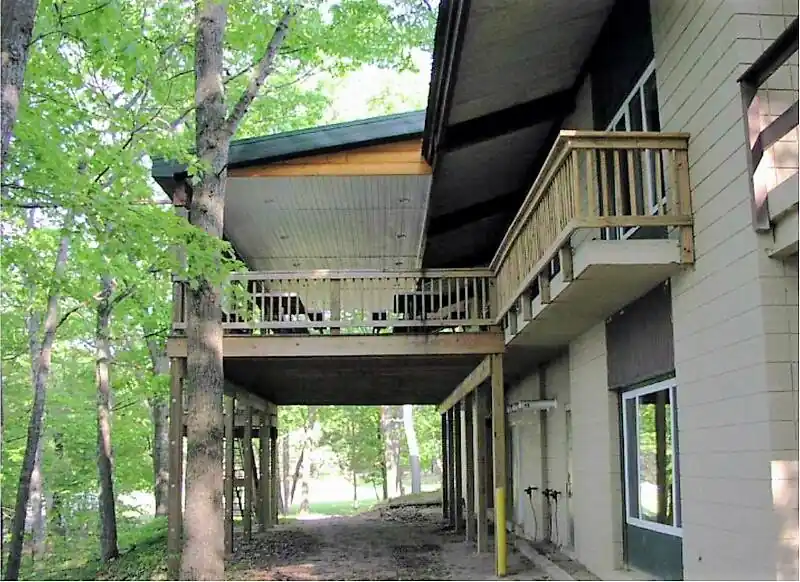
x=582, y=139
x=610, y=181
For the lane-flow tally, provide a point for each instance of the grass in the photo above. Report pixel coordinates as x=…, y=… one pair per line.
x=143, y=556
x=143, y=546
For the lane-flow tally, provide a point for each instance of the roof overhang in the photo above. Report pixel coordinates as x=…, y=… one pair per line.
x=345, y=196
x=505, y=77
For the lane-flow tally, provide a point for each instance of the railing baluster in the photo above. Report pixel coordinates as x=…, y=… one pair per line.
x=604, y=183
x=635, y=210
x=617, y=183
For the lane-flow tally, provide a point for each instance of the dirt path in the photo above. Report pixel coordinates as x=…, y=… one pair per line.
x=406, y=543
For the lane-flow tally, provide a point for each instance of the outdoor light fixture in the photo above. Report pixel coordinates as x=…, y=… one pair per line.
x=401, y=235
x=531, y=405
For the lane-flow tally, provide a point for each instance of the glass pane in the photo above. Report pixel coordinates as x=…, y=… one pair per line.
x=631, y=464
x=635, y=112
x=655, y=457
x=652, y=120
x=635, y=116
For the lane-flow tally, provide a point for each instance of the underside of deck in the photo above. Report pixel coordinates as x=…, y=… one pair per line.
x=387, y=380
x=351, y=369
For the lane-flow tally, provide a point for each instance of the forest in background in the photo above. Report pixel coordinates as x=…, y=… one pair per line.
x=93, y=90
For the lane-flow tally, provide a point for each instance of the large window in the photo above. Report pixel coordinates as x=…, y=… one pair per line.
x=651, y=460
x=639, y=112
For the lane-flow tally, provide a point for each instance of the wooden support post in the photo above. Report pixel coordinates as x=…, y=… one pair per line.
x=445, y=467
x=229, y=474
x=175, y=501
x=451, y=471
x=247, y=453
x=479, y=476
x=457, y=465
x=265, y=511
x=499, y=461
x=273, y=468
x=469, y=494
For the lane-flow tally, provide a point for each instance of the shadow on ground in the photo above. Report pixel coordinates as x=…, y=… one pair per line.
x=389, y=543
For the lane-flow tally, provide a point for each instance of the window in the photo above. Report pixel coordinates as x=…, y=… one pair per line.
x=639, y=112
x=651, y=460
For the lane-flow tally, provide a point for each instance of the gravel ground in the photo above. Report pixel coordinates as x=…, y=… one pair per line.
x=403, y=543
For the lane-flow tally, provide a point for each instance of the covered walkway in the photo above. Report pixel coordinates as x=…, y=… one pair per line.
x=404, y=543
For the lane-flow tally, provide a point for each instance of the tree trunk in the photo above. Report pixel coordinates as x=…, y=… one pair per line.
x=17, y=18
x=203, y=549
x=287, y=503
x=384, y=477
x=159, y=412
x=34, y=324
x=42, y=367
x=57, y=517
x=37, y=506
x=303, y=468
x=389, y=467
x=413, y=448
x=105, y=454
x=355, y=490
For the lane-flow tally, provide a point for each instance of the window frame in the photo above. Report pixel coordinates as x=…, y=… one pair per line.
x=676, y=529
x=652, y=206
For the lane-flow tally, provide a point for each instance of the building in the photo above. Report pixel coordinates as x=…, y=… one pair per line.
x=585, y=251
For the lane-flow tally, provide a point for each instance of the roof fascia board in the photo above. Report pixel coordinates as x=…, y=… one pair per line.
x=457, y=14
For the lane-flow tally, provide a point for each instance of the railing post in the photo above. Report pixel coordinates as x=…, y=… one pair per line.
x=336, y=304
x=683, y=199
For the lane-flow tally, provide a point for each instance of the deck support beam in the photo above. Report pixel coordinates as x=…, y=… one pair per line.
x=451, y=471
x=175, y=500
x=499, y=462
x=457, y=466
x=469, y=436
x=247, y=454
x=479, y=475
x=265, y=509
x=230, y=406
x=445, y=471
x=273, y=467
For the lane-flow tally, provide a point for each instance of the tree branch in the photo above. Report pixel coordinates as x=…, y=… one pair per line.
x=67, y=314
x=264, y=68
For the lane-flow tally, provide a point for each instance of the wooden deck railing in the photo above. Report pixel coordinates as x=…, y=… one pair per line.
x=351, y=302
x=620, y=184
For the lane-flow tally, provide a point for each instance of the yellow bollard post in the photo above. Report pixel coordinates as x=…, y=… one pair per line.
x=500, y=530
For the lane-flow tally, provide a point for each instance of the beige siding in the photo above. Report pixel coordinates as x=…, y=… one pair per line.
x=735, y=312
x=557, y=387
x=596, y=497
x=527, y=469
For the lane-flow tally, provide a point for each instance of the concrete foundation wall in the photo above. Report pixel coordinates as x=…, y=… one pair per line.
x=735, y=313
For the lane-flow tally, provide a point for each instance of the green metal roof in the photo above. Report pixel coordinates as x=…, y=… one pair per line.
x=308, y=142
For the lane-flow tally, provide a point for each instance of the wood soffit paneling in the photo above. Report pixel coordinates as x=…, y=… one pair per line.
x=393, y=159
